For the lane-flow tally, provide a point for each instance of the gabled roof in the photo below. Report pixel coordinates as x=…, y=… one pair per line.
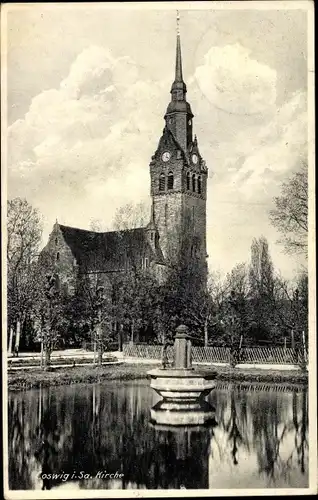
x=108, y=251
x=167, y=136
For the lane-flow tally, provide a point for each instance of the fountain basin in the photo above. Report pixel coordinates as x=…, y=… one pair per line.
x=182, y=384
x=170, y=413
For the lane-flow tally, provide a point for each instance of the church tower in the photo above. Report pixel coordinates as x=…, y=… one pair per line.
x=179, y=177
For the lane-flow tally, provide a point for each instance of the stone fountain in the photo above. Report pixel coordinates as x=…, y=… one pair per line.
x=183, y=388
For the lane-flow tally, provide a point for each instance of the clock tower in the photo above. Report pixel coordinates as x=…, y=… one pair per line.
x=179, y=179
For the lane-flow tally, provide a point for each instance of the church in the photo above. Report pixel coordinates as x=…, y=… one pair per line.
x=178, y=189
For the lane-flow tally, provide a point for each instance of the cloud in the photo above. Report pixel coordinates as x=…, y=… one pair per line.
x=255, y=142
x=89, y=141
x=236, y=83
x=250, y=144
x=273, y=151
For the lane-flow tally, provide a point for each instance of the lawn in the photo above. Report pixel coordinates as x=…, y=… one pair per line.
x=56, y=360
x=27, y=379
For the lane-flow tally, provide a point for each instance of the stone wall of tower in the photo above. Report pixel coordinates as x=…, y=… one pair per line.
x=178, y=124
x=174, y=166
x=194, y=208
x=168, y=212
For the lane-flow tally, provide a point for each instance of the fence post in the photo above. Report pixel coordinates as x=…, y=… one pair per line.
x=94, y=356
x=17, y=339
x=304, y=347
x=120, y=337
x=206, y=338
x=10, y=340
x=42, y=351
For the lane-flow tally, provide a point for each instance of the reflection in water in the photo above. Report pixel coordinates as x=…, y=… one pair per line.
x=79, y=434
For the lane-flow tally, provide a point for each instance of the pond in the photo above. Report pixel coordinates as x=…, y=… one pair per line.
x=81, y=433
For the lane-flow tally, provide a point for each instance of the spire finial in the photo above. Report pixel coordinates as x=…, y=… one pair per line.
x=178, y=77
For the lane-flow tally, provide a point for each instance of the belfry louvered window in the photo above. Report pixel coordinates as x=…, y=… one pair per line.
x=188, y=181
x=199, y=185
x=162, y=182
x=193, y=183
x=170, y=180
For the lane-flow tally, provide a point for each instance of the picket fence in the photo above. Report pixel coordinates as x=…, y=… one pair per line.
x=212, y=354
x=255, y=387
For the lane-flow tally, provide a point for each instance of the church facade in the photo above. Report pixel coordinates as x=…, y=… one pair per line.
x=178, y=188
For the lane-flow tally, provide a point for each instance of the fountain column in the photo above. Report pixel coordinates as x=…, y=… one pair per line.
x=182, y=346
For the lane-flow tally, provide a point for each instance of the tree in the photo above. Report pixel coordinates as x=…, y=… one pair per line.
x=184, y=297
x=24, y=231
x=91, y=309
x=97, y=226
x=131, y=216
x=290, y=306
x=235, y=305
x=290, y=215
x=261, y=289
x=135, y=304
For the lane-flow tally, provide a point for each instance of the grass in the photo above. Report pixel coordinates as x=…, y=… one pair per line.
x=55, y=361
x=36, y=378
x=21, y=380
x=227, y=373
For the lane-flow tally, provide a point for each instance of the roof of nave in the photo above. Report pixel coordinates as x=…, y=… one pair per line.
x=107, y=251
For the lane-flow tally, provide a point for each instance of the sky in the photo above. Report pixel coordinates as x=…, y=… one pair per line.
x=87, y=89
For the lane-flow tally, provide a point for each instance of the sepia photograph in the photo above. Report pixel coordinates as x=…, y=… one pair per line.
x=158, y=249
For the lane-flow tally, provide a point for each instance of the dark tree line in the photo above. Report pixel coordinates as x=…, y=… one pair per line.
x=252, y=304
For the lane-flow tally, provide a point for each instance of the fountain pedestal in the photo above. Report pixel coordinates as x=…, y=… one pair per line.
x=182, y=388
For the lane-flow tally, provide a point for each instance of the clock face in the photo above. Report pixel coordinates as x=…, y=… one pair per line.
x=194, y=159
x=166, y=156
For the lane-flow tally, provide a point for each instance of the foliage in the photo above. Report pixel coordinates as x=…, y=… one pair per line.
x=261, y=289
x=252, y=302
x=290, y=215
x=24, y=231
x=183, y=296
x=131, y=216
x=135, y=300
x=49, y=310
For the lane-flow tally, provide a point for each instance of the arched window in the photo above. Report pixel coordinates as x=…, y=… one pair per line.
x=162, y=182
x=170, y=180
x=188, y=181
x=193, y=183
x=58, y=256
x=199, y=185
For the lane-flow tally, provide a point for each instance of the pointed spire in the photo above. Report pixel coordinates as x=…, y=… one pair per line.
x=178, y=77
x=178, y=23
x=178, y=68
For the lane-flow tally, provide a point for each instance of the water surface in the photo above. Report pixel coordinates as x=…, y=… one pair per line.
x=260, y=440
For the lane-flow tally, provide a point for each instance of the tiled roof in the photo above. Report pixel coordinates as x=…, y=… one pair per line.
x=108, y=251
